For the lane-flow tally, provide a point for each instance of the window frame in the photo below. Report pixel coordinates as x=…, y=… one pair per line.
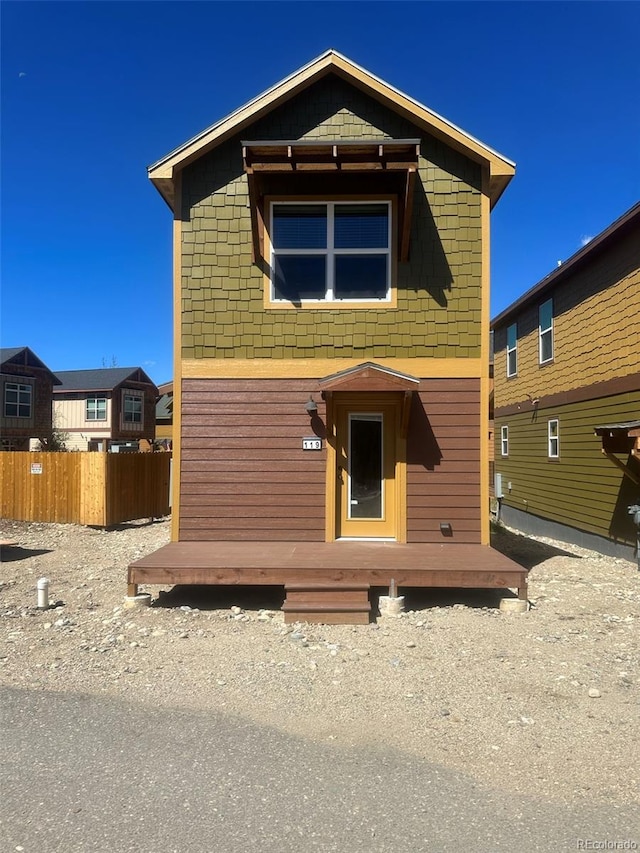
x=553, y=438
x=95, y=400
x=390, y=301
x=512, y=350
x=546, y=331
x=139, y=400
x=504, y=440
x=18, y=388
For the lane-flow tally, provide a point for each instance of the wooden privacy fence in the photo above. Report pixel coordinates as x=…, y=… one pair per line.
x=100, y=489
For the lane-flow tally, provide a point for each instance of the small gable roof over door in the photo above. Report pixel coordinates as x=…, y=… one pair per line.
x=369, y=377
x=164, y=172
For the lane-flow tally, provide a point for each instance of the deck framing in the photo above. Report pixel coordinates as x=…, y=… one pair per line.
x=340, y=563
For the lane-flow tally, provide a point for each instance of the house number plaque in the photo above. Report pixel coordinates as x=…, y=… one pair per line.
x=312, y=443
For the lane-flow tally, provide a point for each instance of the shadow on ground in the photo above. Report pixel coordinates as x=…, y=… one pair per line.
x=271, y=597
x=11, y=553
x=523, y=550
x=424, y=598
x=129, y=525
x=222, y=597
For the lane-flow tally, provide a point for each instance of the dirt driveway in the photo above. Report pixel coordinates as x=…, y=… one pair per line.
x=544, y=703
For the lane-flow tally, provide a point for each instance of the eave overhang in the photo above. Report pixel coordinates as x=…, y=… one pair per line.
x=372, y=377
x=500, y=170
x=369, y=376
x=584, y=256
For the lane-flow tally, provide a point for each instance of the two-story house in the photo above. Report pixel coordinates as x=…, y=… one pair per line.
x=164, y=414
x=331, y=281
x=26, y=392
x=95, y=408
x=567, y=397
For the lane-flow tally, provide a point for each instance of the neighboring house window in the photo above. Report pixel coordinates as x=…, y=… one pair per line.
x=17, y=400
x=132, y=409
x=330, y=251
x=553, y=433
x=545, y=331
x=504, y=440
x=512, y=350
x=96, y=409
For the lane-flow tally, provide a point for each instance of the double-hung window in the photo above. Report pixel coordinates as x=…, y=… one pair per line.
x=504, y=441
x=96, y=409
x=334, y=251
x=17, y=400
x=132, y=409
x=545, y=331
x=512, y=350
x=553, y=439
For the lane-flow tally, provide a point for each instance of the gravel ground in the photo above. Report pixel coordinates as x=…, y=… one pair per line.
x=543, y=704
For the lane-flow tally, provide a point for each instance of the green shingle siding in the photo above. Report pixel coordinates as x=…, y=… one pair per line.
x=438, y=289
x=582, y=488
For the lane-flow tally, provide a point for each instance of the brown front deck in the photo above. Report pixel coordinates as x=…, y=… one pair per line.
x=341, y=563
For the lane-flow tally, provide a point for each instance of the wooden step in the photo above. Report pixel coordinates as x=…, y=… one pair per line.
x=328, y=604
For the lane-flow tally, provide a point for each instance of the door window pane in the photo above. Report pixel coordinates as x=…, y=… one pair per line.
x=365, y=466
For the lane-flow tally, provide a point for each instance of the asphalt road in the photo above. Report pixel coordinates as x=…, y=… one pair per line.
x=88, y=774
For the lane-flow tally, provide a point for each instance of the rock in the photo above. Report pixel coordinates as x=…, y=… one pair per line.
x=594, y=693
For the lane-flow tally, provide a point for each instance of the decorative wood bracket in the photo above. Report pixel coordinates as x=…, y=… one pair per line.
x=624, y=468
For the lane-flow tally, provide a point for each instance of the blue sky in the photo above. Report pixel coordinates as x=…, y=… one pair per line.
x=93, y=92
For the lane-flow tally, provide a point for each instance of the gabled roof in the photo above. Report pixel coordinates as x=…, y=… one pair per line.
x=629, y=220
x=26, y=357
x=164, y=407
x=163, y=172
x=369, y=376
x=100, y=379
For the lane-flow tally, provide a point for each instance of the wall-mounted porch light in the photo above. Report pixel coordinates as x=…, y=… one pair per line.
x=311, y=407
x=446, y=529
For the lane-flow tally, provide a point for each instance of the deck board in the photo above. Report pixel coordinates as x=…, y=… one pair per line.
x=342, y=562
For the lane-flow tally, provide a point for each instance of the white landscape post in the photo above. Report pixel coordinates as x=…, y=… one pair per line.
x=43, y=593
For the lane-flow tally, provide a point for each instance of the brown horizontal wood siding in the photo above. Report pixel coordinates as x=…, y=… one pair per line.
x=582, y=488
x=443, y=462
x=244, y=474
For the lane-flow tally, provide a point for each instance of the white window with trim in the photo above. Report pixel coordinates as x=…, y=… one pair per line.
x=17, y=400
x=553, y=438
x=512, y=350
x=330, y=252
x=504, y=441
x=132, y=408
x=545, y=332
x=96, y=409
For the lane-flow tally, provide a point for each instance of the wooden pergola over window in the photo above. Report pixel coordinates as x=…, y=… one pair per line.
x=623, y=438
x=387, y=164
